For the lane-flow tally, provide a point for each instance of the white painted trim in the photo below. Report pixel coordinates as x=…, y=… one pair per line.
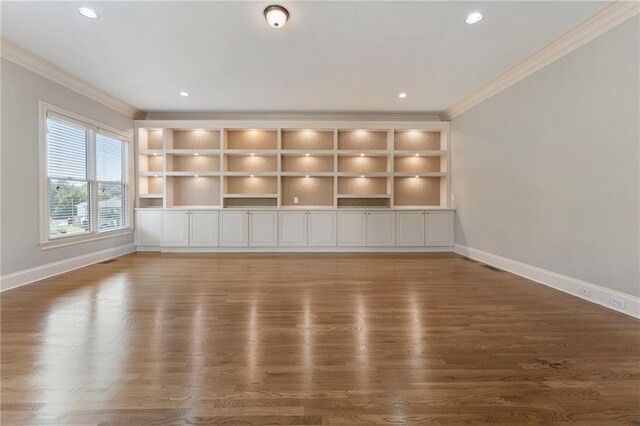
x=288, y=116
x=38, y=273
x=599, y=295
x=308, y=249
x=293, y=121
x=608, y=17
x=22, y=57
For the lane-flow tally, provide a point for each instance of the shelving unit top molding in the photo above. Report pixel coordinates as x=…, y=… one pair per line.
x=292, y=164
x=292, y=124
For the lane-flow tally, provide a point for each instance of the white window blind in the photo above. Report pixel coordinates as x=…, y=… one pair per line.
x=86, y=174
x=110, y=172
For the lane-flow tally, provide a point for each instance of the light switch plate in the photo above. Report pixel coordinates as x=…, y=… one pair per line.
x=295, y=200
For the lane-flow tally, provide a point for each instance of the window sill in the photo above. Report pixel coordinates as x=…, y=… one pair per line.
x=69, y=241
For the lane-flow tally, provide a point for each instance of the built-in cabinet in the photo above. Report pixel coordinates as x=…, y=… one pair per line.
x=322, y=228
x=148, y=227
x=203, y=231
x=439, y=229
x=263, y=228
x=410, y=228
x=177, y=228
x=234, y=228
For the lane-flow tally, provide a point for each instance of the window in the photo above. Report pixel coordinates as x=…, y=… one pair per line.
x=86, y=173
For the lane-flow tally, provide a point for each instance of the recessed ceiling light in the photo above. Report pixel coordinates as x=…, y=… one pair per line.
x=361, y=176
x=307, y=154
x=87, y=13
x=361, y=155
x=253, y=175
x=474, y=18
x=276, y=16
x=306, y=176
x=402, y=95
x=417, y=155
x=185, y=94
x=195, y=153
x=252, y=154
x=417, y=176
x=197, y=176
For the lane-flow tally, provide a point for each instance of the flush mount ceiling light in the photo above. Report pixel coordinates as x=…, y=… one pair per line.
x=276, y=16
x=473, y=18
x=184, y=94
x=402, y=95
x=87, y=13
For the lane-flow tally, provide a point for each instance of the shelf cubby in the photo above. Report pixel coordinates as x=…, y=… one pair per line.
x=251, y=139
x=418, y=140
x=420, y=191
x=356, y=163
x=196, y=139
x=145, y=203
x=150, y=139
x=150, y=163
x=307, y=164
x=362, y=202
x=312, y=191
x=193, y=163
x=362, y=140
x=244, y=202
x=150, y=185
x=362, y=186
x=307, y=139
x=183, y=191
x=420, y=164
x=250, y=163
x=247, y=185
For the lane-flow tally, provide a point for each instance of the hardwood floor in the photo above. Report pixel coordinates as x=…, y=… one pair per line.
x=311, y=339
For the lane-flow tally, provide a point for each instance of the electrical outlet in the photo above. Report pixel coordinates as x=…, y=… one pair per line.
x=617, y=302
x=295, y=200
x=585, y=292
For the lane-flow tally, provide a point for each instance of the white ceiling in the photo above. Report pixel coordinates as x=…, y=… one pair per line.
x=331, y=56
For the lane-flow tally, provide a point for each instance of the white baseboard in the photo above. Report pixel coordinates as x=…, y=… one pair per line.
x=332, y=249
x=38, y=273
x=594, y=293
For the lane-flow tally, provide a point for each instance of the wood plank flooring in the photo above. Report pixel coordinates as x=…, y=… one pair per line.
x=311, y=339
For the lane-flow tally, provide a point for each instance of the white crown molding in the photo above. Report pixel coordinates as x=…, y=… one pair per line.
x=308, y=116
x=573, y=286
x=22, y=57
x=611, y=15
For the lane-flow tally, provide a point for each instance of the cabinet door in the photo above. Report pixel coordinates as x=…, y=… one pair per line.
x=263, y=229
x=293, y=229
x=410, y=228
x=322, y=228
x=175, y=229
x=439, y=228
x=234, y=229
x=148, y=228
x=352, y=228
x=381, y=228
x=203, y=229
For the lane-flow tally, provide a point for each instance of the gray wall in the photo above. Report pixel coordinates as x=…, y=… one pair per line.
x=547, y=172
x=21, y=91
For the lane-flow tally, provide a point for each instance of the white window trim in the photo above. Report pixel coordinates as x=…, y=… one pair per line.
x=47, y=243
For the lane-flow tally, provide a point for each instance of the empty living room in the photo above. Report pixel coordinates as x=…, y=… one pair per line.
x=320, y=212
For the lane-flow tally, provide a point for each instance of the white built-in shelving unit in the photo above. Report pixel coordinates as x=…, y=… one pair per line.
x=231, y=165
